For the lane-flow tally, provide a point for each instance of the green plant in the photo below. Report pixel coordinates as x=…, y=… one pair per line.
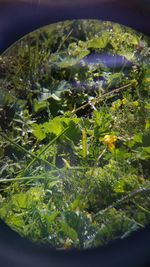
x=74, y=134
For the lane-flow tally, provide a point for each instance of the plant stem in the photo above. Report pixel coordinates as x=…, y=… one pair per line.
x=25, y=178
x=18, y=178
x=141, y=208
x=84, y=143
x=44, y=149
x=64, y=40
x=96, y=100
x=123, y=199
x=24, y=150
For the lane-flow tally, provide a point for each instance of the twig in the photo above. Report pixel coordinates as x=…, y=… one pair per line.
x=94, y=101
x=141, y=208
x=63, y=41
x=103, y=152
x=125, y=198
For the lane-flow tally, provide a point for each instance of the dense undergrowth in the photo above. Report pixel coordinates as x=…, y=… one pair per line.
x=75, y=134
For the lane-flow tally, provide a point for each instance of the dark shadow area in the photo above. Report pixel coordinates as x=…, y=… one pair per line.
x=16, y=251
x=20, y=18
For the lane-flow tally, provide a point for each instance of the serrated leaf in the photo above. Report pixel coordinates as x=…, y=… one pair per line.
x=15, y=221
x=54, y=126
x=20, y=201
x=38, y=131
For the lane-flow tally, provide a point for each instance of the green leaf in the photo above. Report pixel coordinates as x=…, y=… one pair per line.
x=147, y=106
x=77, y=203
x=145, y=153
x=115, y=76
x=35, y=194
x=49, y=216
x=136, y=140
x=15, y=221
x=62, y=87
x=58, y=124
x=39, y=106
x=54, y=126
x=68, y=62
x=20, y=201
x=38, y=131
x=69, y=231
x=99, y=42
x=80, y=53
x=53, y=183
x=146, y=138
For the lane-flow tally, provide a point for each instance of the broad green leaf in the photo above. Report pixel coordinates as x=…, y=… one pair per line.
x=71, y=57
x=80, y=53
x=77, y=203
x=53, y=216
x=20, y=201
x=54, y=126
x=57, y=125
x=99, y=42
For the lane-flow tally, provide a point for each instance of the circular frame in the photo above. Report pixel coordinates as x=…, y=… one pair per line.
x=17, y=19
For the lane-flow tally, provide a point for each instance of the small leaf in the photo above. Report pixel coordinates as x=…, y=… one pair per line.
x=39, y=106
x=38, y=131
x=53, y=183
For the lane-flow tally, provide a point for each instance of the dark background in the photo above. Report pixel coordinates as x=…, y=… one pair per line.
x=17, y=18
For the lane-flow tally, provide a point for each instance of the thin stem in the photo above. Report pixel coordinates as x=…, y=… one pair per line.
x=96, y=100
x=103, y=152
x=44, y=149
x=18, y=178
x=25, y=178
x=123, y=199
x=24, y=150
x=141, y=208
x=63, y=41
